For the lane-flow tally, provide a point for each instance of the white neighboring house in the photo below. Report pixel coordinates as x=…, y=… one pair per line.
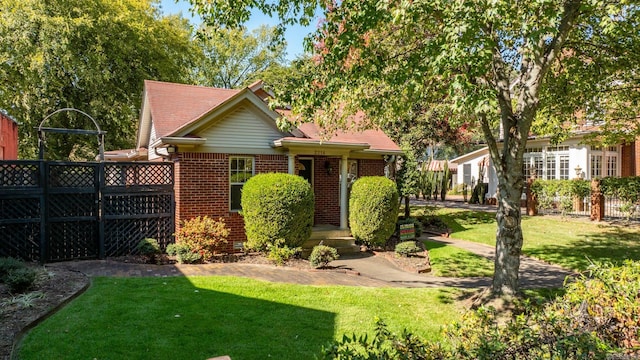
x=570, y=159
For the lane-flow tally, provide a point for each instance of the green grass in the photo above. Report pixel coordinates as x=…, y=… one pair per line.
x=572, y=243
x=451, y=261
x=202, y=317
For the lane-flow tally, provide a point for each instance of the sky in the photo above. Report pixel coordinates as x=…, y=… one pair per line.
x=294, y=34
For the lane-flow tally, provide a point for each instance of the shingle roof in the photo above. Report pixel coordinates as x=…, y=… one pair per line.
x=376, y=138
x=173, y=106
x=176, y=105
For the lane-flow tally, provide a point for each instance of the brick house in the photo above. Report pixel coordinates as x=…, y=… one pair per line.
x=219, y=138
x=8, y=137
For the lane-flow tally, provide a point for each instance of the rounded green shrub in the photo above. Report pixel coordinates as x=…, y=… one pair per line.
x=183, y=254
x=322, y=255
x=407, y=248
x=8, y=265
x=373, y=209
x=21, y=280
x=277, y=206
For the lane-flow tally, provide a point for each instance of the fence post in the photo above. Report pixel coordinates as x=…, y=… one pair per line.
x=44, y=239
x=597, y=201
x=532, y=199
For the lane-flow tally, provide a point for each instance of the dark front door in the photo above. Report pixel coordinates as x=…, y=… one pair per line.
x=305, y=169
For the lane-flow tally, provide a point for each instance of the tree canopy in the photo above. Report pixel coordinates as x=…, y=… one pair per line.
x=89, y=55
x=497, y=65
x=236, y=57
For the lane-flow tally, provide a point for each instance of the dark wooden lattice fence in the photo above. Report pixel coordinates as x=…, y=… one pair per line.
x=57, y=211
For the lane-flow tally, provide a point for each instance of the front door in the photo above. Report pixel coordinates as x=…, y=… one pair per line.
x=305, y=169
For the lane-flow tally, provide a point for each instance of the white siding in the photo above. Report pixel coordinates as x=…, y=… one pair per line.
x=240, y=132
x=152, y=137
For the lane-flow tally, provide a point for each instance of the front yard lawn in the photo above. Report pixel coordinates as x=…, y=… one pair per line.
x=202, y=317
x=572, y=243
x=450, y=261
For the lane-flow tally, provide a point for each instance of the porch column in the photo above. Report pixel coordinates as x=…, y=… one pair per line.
x=344, y=200
x=292, y=163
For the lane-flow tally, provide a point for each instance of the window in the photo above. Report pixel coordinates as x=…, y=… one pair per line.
x=564, y=167
x=240, y=170
x=466, y=174
x=596, y=166
x=531, y=162
x=612, y=166
x=604, y=161
x=551, y=168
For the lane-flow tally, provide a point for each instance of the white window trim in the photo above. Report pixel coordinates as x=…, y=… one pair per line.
x=253, y=172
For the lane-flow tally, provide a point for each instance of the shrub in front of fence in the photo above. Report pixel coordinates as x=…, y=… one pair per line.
x=150, y=249
x=21, y=280
x=626, y=189
x=560, y=194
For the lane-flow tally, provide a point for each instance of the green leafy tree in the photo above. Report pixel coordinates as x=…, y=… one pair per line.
x=498, y=65
x=408, y=178
x=89, y=55
x=235, y=57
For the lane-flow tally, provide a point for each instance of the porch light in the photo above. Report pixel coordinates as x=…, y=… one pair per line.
x=171, y=149
x=328, y=167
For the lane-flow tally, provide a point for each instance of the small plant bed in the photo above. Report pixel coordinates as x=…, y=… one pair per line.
x=19, y=310
x=416, y=263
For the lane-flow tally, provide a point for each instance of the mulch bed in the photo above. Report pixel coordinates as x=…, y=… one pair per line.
x=20, y=312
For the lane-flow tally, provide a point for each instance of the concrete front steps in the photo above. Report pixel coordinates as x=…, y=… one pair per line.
x=331, y=236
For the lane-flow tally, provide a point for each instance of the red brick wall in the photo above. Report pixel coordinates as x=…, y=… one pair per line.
x=630, y=164
x=327, y=191
x=202, y=187
x=370, y=168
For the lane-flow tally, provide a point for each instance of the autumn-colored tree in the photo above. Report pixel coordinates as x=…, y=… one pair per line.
x=498, y=65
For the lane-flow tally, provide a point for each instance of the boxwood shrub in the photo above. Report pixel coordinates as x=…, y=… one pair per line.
x=373, y=209
x=277, y=206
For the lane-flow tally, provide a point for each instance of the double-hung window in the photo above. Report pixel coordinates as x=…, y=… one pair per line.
x=241, y=168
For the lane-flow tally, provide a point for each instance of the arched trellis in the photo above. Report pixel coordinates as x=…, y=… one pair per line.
x=42, y=130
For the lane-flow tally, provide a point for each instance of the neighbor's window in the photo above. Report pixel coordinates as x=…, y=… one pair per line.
x=240, y=170
x=564, y=167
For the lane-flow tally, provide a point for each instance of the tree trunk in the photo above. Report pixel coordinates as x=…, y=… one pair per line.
x=509, y=235
x=407, y=210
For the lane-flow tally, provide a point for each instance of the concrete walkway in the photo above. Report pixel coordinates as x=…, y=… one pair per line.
x=363, y=269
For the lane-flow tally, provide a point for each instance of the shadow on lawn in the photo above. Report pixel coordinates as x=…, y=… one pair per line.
x=173, y=318
x=613, y=244
x=458, y=220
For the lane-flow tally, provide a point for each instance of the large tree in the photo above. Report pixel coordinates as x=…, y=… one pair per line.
x=236, y=57
x=501, y=64
x=89, y=55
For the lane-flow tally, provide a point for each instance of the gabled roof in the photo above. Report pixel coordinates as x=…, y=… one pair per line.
x=176, y=111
